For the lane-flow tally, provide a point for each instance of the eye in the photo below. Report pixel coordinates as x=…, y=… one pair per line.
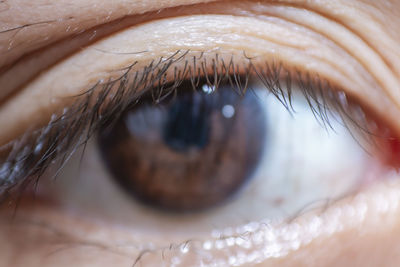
x=203, y=148
x=200, y=147
x=190, y=151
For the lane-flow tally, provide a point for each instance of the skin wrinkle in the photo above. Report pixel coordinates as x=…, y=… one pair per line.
x=70, y=240
x=360, y=49
x=13, y=47
x=75, y=238
x=388, y=46
x=61, y=239
x=124, y=247
x=26, y=25
x=385, y=51
x=355, y=244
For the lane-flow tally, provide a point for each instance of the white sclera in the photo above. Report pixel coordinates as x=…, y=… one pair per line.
x=306, y=163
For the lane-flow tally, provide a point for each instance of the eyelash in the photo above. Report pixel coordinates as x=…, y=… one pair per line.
x=30, y=156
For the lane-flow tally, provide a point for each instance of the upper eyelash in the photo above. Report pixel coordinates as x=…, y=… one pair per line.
x=30, y=155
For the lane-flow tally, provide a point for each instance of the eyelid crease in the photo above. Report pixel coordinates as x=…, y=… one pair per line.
x=27, y=158
x=238, y=8
x=62, y=19
x=60, y=49
x=352, y=41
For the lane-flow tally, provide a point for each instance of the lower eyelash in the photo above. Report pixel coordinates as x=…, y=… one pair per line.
x=28, y=157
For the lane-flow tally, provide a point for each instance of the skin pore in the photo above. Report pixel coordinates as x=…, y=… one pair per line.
x=51, y=50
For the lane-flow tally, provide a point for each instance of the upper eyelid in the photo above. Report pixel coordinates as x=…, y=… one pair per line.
x=321, y=58
x=76, y=41
x=262, y=10
x=32, y=154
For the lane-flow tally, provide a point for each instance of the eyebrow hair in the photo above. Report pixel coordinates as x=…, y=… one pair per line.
x=28, y=157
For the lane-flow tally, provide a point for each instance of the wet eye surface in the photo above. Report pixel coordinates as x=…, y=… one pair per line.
x=215, y=157
x=189, y=152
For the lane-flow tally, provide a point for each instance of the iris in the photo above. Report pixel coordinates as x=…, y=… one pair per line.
x=192, y=151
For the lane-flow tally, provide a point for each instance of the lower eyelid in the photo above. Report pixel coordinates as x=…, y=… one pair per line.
x=356, y=220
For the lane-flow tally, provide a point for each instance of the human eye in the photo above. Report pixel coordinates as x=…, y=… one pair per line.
x=298, y=107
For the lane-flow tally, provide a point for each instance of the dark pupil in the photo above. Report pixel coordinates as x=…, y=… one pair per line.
x=192, y=151
x=188, y=122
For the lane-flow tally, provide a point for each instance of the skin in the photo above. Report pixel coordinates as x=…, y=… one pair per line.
x=59, y=40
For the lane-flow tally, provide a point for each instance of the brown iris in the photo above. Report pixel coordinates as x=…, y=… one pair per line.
x=190, y=152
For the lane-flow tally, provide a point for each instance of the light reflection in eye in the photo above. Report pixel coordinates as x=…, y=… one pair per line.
x=228, y=111
x=208, y=89
x=192, y=151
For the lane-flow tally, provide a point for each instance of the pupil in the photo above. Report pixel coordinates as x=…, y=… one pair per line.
x=192, y=152
x=188, y=122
